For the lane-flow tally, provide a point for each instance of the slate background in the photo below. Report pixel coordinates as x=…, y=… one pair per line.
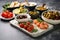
x=8, y=32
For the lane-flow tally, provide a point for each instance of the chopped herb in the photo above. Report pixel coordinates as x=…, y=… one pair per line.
x=19, y=22
x=34, y=30
x=24, y=22
x=30, y=21
x=39, y=20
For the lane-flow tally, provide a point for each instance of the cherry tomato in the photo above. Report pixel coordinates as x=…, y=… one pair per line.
x=28, y=23
x=11, y=14
x=30, y=28
x=25, y=26
x=21, y=25
x=4, y=14
x=7, y=14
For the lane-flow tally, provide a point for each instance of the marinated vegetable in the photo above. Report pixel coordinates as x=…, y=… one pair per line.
x=55, y=15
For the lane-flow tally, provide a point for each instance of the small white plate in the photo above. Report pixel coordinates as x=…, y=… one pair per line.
x=34, y=34
x=7, y=18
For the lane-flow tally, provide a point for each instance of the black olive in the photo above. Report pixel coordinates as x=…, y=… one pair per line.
x=24, y=16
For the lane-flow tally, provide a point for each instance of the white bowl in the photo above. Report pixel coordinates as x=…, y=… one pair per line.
x=23, y=20
x=50, y=20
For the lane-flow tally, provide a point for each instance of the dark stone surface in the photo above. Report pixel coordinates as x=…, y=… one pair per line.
x=8, y=32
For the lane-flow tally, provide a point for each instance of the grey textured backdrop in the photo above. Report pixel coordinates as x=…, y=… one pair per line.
x=8, y=32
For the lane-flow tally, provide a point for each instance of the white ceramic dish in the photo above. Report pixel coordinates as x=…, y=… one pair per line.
x=31, y=3
x=50, y=20
x=34, y=34
x=23, y=20
x=17, y=4
x=7, y=18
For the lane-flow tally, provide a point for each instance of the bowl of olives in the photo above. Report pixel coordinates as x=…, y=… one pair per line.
x=51, y=16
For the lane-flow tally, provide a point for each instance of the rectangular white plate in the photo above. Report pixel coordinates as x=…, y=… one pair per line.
x=35, y=34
